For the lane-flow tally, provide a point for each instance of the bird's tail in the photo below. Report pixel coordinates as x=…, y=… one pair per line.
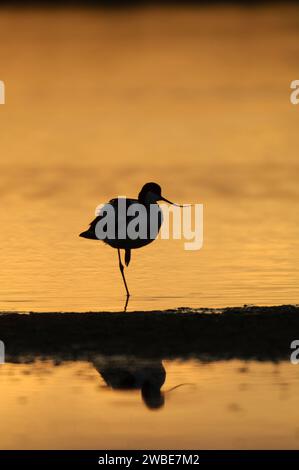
x=91, y=232
x=127, y=257
x=88, y=234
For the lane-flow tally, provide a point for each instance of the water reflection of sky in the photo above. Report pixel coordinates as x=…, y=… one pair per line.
x=101, y=404
x=99, y=103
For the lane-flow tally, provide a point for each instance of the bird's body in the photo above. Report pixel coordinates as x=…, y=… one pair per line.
x=118, y=226
x=126, y=242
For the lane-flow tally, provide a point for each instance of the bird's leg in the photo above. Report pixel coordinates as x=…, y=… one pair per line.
x=127, y=256
x=126, y=304
x=121, y=268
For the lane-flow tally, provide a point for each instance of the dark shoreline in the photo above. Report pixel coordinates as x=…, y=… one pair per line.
x=249, y=332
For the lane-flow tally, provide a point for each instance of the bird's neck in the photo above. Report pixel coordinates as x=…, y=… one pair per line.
x=148, y=198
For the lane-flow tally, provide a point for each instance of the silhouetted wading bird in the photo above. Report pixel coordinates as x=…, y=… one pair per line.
x=150, y=221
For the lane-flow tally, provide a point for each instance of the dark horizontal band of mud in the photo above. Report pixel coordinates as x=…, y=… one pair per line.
x=263, y=333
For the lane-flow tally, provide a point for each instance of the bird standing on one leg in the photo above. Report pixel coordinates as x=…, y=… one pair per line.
x=148, y=196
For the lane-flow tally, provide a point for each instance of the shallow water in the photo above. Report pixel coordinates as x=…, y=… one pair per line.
x=232, y=404
x=99, y=102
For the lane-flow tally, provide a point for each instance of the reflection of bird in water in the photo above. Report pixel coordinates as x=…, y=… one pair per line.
x=132, y=374
x=150, y=225
x=147, y=376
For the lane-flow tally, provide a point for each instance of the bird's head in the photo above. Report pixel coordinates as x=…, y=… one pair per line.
x=151, y=193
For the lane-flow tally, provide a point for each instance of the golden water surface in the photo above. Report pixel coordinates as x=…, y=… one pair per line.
x=99, y=102
x=221, y=405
